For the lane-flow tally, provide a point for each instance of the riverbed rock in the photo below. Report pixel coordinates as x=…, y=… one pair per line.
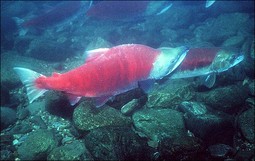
x=216, y=30
x=8, y=117
x=156, y=124
x=38, y=145
x=246, y=124
x=73, y=151
x=116, y=143
x=170, y=93
x=227, y=99
x=209, y=125
x=87, y=117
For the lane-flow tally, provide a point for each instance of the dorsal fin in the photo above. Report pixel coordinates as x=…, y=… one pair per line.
x=55, y=74
x=94, y=54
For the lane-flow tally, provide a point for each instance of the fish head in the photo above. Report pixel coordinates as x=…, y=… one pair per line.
x=167, y=61
x=226, y=59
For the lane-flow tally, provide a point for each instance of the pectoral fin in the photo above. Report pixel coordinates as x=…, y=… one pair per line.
x=208, y=80
x=100, y=101
x=73, y=99
x=146, y=84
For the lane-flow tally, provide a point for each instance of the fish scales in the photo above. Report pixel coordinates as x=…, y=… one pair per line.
x=103, y=77
x=198, y=57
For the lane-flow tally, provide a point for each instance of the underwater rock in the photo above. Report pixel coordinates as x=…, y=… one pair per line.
x=217, y=30
x=21, y=128
x=8, y=117
x=227, y=99
x=194, y=108
x=169, y=34
x=184, y=148
x=5, y=96
x=7, y=149
x=234, y=41
x=87, y=117
x=36, y=107
x=73, y=151
x=246, y=124
x=116, y=143
x=130, y=107
x=37, y=145
x=23, y=113
x=170, y=94
x=156, y=124
x=207, y=124
x=7, y=155
x=252, y=88
x=221, y=151
x=38, y=121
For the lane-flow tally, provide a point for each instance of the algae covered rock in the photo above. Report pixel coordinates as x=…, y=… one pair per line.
x=37, y=145
x=87, y=117
x=170, y=94
x=218, y=29
x=73, y=151
x=8, y=117
x=156, y=124
x=246, y=124
x=227, y=99
x=116, y=143
x=210, y=125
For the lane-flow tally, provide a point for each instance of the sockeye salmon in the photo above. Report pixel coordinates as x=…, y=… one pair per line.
x=106, y=72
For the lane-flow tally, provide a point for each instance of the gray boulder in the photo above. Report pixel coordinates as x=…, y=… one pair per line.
x=170, y=94
x=87, y=117
x=38, y=145
x=116, y=143
x=246, y=124
x=216, y=30
x=156, y=124
x=207, y=124
x=227, y=99
x=73, y=151
x=8, y=117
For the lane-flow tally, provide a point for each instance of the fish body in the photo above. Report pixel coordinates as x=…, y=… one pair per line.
x=207, y=62
x=55, y=15
x=106, y=72
x=127, y=10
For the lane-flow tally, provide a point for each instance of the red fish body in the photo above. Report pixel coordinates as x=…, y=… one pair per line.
x=57, y=14
x=198, y=57
x=106, y=72
x=117, y=9
x=207, y=62
x=116, y=69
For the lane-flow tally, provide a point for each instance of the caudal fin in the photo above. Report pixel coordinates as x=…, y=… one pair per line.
x=28, y=78
x=22, y=31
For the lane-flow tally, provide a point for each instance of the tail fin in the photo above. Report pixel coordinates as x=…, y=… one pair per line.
x=28, y=78
x=22, y=31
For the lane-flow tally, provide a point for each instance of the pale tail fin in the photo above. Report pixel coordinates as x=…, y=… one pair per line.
x=28, y=77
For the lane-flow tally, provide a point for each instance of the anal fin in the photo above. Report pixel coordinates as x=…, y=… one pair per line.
x=208, y=80
x=100, y=101
x=73, y=99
